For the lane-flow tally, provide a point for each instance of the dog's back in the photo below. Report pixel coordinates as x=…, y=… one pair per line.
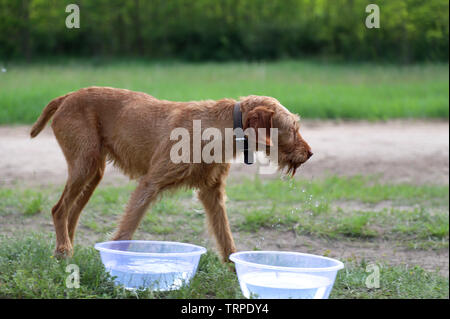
x=125, y=126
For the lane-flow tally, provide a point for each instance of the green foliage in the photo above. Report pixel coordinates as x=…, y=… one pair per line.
x=410, y=30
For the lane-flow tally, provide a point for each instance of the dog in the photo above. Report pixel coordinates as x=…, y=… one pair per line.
x=132, y=129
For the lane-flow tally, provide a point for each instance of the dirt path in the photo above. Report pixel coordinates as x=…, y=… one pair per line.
x=370, y=250
x=400, y=151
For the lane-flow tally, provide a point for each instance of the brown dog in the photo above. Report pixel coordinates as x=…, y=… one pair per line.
x=133, y=129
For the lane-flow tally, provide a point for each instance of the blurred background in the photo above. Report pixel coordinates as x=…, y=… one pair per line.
x=374, y=104
x=317, y=57
x=412, y=30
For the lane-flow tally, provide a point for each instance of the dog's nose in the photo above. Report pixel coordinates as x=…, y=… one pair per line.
x=310, y=154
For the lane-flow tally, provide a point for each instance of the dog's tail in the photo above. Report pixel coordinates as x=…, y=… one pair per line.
x=47, y=113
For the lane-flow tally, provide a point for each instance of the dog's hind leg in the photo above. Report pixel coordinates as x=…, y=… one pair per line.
x=213, y=200
x=82, y=151
x=76, y=181
x=83, y=198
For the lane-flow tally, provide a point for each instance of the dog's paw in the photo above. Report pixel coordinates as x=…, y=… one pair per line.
x=63, y=252
x=229, y=264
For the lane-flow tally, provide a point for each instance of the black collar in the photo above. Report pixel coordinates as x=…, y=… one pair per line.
x=240, y=136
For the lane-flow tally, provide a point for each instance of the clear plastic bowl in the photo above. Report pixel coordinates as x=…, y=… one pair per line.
x=158, y=265
x=283, y=275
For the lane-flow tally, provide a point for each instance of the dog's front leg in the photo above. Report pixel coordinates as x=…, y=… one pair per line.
x=213, y=199
x=145, y=193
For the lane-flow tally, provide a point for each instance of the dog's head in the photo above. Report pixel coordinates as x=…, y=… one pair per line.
x=262, y=112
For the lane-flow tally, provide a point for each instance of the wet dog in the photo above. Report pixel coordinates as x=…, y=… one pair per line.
x=133, y=130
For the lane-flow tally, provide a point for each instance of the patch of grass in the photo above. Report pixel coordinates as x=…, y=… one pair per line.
x=307, y=207
x=424, y=225
x=30, y=271
x=167, y=205
x=110, y=200
x=171, y=215
x=212, y=280
x=98, y=226
x=256, y=219
x=333, y=225
x=29, y=201
x=430, y=244
x=312, y=89
x=314, y=208
x=399, y=282
x=156, y=224
x=7, y=201
x=34, y=203
x=366, y=189
x=356, y=226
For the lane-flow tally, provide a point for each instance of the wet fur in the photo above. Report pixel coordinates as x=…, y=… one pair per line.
x=132, y=129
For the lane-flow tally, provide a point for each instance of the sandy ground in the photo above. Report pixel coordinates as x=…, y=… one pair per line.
x=399, y=151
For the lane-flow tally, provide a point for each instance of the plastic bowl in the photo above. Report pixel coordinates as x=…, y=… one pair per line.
x=158, y=265
x=275, y=274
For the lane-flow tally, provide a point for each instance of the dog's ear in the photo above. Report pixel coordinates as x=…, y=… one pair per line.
x=260, y=118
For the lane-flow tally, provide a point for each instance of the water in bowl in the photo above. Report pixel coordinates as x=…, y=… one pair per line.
x=273, y=285
x=157, y=274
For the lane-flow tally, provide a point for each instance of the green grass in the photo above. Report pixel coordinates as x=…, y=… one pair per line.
x=398, y=282
x=356, y=226
x=334, y=207
x=30, y=271
x=366, y=189
x=312, y=89
x=34, y=203
x=360, y=210
x=350, y=207
x=28, y=201
x=391, y=224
